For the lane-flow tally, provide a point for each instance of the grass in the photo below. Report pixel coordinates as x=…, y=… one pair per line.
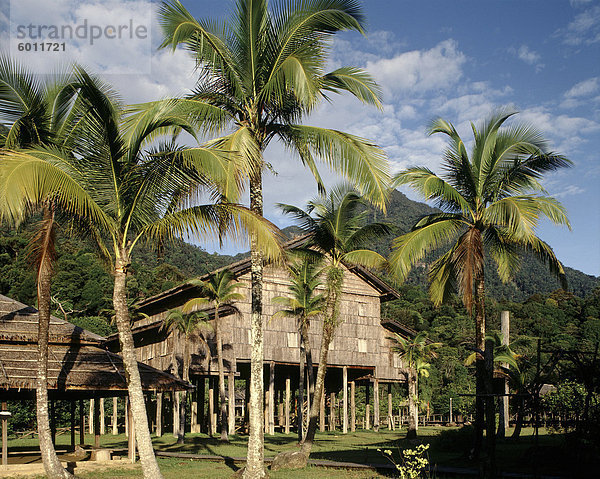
x=448, y=447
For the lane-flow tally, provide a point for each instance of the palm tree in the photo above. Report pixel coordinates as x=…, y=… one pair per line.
x=190, y=326
x=219, y=290
x=415, y=353
x=261, y=72
x=122, y=187
x=36, y=112
x=338, y=235
x=491, y=202
x=303, y=304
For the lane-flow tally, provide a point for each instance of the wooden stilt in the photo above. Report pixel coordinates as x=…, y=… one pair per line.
x=53, y=421
x=391, y=425
x=322, y=412
x=367, y=406
x=376, y=405
x=194, y=419
x=81, y=423
x=91, y=421
x=159, y=400
x=97, y=424
x=176, y=406
x=201, y=404
x=345, y=399
x=102, y=417
x=126, y=416
x=73, y=421
x=272, y=398
x=288, y=390
x=352, y=406
x=231, y=412
x=332, y=411
x=247, y=404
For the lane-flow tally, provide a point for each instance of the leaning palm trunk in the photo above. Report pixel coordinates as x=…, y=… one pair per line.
x=413, y=410
x=309, y=363
x=255, y=457
x=223, y=405
x=305, y=364
x=52, y=465
x=134, y=383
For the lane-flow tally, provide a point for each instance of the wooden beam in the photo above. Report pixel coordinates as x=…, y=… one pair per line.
x=352, y=406
x=367, y=406
x=376, y=405
x=102, y=417
x=176, y=411
x=115, y=417
x=194, y=418
x=91, y=421
x=201, y=404
x=332, y=411
x=287, y=404
x=391, y=424
x=97, y=424
x=159, y=405
x=127, y=416
x=231, y=412
x=345, y=399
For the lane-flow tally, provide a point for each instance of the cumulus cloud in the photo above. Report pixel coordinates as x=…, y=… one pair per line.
x=419, y=71
x=584, y=29
x=584, y=88
x=525, y=54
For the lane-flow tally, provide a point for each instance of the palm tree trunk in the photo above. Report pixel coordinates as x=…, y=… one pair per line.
x=223, y=404
x=480, y=370
x=52, y=465
x=301, y=430
x=413, y=409
x=309, y=363
x=255, y=468
x=134, y=383
x=519, y=423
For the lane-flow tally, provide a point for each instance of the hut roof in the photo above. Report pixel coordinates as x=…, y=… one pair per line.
x=77, y=361
x=172, y=297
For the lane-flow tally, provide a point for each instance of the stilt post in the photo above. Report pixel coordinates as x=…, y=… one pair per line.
x=345, y=400
x=231, y=412
x=352, y=406
x=376, y=405
x=81, y=423
x=115, y=417
x=159, y=400
x=287, y=404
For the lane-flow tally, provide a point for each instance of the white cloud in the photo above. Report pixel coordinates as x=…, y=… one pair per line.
x=419, y=71
x=584, y=29
x=584, y=88
x=529, y=56
x=569, y=190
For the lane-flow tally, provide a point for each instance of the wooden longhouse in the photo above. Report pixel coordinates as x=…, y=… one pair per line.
x=359, y=354
x=79, y=366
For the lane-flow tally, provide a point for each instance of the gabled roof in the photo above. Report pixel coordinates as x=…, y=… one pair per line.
x=173, y=297
x=77, y=360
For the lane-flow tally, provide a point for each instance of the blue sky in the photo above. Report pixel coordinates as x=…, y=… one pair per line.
x=455, y=59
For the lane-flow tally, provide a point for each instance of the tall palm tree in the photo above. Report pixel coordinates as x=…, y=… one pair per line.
x=219, y=291
x=39, y=112
x=261, y=72
x=337, y=234
x=491, y=202
x=303, y=305
x=122, y=189
x=190, y=326
x=415, y=352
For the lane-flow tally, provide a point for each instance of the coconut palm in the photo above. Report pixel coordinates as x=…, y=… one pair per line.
x=261, y=72
x=39, y=112
x=219, y=291
x=123, y=186
x=336, y=233
x=491, y=202
x=303, y=305
x=190, y=326
x=415, y=353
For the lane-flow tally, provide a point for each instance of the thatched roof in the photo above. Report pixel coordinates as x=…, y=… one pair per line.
x=77, y=362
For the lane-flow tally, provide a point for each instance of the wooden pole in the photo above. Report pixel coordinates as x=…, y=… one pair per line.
x=4, y=436
x=332, y=411
x=73, y=425
x=288, y=390
x=159, y=405
x=504, y=411
x=81, y=423
x=367, y=406
x=345, y=399
x=272, y=398
x=102, y=417
x=391, y=424
x=131, y=435
x=53, y=421
x=231, y=387
x=247, y=403
x=97, y=424
x=352, y=406
x=91, y=421
x=194, y=418
x=115, y=417
x=201, y=404
x=376, y=405
x=176, y=412
x=322, y=412
x=127, y=416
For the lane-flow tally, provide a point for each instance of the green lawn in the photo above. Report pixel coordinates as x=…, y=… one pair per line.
x=450, y=449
